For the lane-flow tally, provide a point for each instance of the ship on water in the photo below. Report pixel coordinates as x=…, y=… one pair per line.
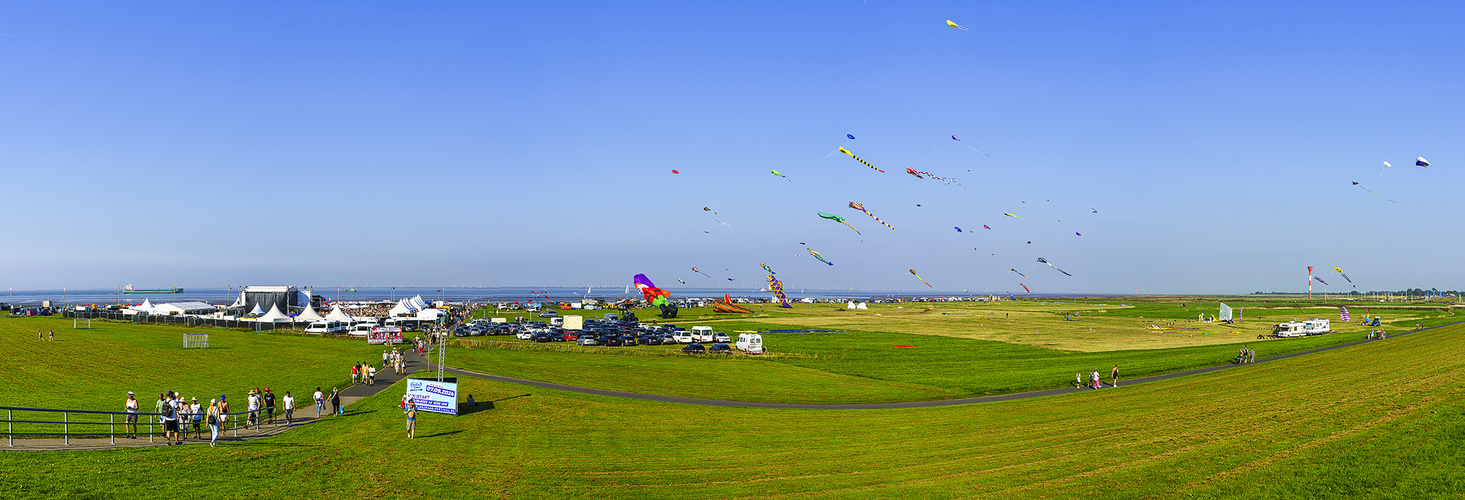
x=130, y=290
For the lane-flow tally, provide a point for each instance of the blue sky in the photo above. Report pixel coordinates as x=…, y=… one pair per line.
x=513, y=144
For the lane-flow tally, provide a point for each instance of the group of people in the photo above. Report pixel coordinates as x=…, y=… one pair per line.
x=1246, y=356
x=334, y=398
x=41, y=336
x=363, y=373
x=178, y=415
x=1095, y=382
x=1377, y=334
x=395, y=359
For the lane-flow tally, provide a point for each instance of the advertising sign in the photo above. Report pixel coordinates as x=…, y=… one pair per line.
x=385, y=335
x=433, y=396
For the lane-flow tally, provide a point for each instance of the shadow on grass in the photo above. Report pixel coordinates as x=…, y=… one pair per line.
x=447, y=433
x=464, y=409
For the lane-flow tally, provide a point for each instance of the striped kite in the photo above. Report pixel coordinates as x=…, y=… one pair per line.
x=1345, y=276
x=861, y=208
x=1010, y=214
x=852, y=155
x=1055, y=268
x=1019, y=273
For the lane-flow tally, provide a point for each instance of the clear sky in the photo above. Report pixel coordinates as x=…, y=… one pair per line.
x=533, y=143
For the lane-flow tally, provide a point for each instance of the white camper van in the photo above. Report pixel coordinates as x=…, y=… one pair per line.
x=320, y=327
x=750, y=343
x=701, y=334
x=1315, y=326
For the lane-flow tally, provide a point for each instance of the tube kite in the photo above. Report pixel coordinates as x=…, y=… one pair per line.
x=818, y=256
x=1019, y=273
x=654, y=296
x=838, y=219
x=923, y=280
x=1025, y=288
x=958, y=139
x=989, y=228
x=1345, y=276
x=785, y=177
x=766, y=268
x=1010, y=214
x=852, y=155
x=923, y=175
x=699, y=271
x=1055, y=268
x=861, y=208
x=776, y=287
x=957, y=26
x=1355, y=183
x=1320, y=280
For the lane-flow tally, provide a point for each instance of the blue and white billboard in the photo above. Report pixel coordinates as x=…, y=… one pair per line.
x=431, y=395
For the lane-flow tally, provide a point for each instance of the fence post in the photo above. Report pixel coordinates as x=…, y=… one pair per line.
x=112, y=427
x=10, y=426
x=150, y=429
x=66, y=428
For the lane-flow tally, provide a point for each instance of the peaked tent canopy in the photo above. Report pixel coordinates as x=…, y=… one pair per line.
x=309, y=314
x=338, y=315
x=273, y=315
x=256, y=310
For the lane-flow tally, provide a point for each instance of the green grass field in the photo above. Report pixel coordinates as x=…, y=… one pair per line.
x=1382, y=420
x=93, y=369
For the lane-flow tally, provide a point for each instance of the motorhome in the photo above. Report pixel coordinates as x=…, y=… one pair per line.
x=750, y=343
x=1315, y=326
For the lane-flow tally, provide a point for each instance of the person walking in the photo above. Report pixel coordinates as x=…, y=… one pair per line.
x=336, y=403
x=213, y=422
x=53, y=335
x=1115, y=374
x=289, y=410
x=131, y=407
x=354, y=374
x=1078, y=380
x=1095, y=378
x=411, y=412
x=253, y=407
x=371, y=375
x=320, y=402
x=269, y=398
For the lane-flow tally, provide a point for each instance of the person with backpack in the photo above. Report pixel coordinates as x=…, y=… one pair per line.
x=169, y=416
x=214, y=419
x=336, y=402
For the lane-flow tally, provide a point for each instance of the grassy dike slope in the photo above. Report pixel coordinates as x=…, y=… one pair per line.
x=1379, y=420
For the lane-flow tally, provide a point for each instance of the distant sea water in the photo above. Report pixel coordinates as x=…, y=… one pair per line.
x=453, y=294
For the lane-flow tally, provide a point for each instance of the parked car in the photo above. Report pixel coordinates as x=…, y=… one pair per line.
x=720, y=349
x=524, y=335
x=571, y=335
x=628, y=340
x=543, y=336
x=587, y=340
x=702, y=334
x=721, y=337
x=694, y=349
x=549, y=314
x=611, y=341
x=652, y=339
x=682, y=336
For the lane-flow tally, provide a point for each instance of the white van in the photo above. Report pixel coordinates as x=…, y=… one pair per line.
x=750, y=343
x=320, y=327
x=362, y=329
x=701, y=334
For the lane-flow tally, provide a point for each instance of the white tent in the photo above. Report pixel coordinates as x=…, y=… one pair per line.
x=861, y=306
x=850, y=305
x=429, y=314
x=404, y=307
x=338, y=315
x=418, y=304
x=309, y=314
x=256, y=310
x=184, y=308
x=274, y=314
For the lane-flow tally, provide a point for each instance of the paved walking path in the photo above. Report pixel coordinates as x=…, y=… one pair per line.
x=304, y=414
x=908, y=404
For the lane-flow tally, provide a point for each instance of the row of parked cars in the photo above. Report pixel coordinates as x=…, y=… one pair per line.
x=618, y=333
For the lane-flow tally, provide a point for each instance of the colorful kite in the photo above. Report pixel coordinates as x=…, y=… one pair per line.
x=852, y=155
x=1076, y=233
x=725, y=305
x=838, y=219
x=1025, y=288
x=923, y=175
x=861, y=208
x=957, y=26
x=818, y=256
x=1094, y=210
x=654, y=296
x=923, y=280
x=850, y=136
x=785, y=177
x=1345, y=276
x=1019, y=273
x=674, y=171
x=958, y=228
x=989, y=228
x=766, y=268
x=679, y=280
x=1343, y=314
x=1420, y=161
x=1055, y=268
x=699, y=271
x=1010, y=214
x=776, y=287
x=1320, y=280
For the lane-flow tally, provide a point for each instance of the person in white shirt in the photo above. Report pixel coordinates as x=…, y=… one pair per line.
x=371, y=375
x=253, y=410
x=132, y=408
x=289, y=409
x=320, y=402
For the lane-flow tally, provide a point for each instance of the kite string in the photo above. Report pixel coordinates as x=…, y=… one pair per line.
x=1306, y=243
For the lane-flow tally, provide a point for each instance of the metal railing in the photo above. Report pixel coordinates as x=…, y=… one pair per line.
x=227, y=424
